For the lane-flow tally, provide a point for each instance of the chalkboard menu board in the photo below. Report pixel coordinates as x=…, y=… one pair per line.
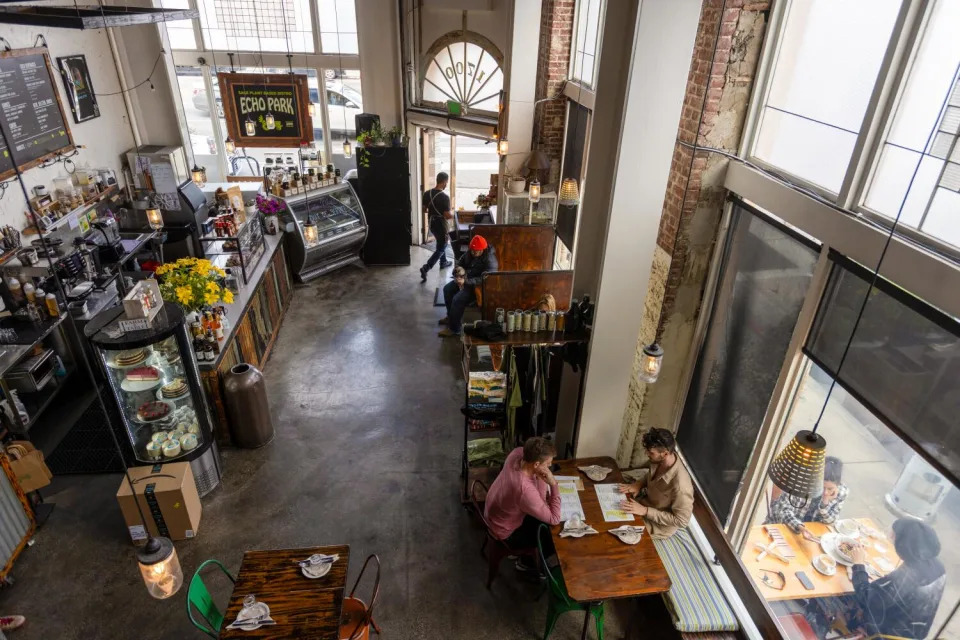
x=30, y=111
x=252, y=97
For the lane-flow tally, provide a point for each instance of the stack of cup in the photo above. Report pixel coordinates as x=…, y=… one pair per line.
x=511, y=321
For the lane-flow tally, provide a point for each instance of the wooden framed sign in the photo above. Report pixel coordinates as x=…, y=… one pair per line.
x=31, y=113
x=249, y=101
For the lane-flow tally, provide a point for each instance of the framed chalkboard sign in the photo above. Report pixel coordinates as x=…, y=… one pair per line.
x=31, y=114
x=79, y=87
x=254, y=101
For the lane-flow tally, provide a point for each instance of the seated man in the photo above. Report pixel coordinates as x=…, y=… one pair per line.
x=793, y=512
x=666, y=492
x=457, y=294
x=524, y=495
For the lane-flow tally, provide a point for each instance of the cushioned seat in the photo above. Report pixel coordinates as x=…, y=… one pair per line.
x=695, y=601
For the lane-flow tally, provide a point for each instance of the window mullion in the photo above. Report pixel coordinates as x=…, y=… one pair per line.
x=221, y=154
x=324, y=115
x=197, y=26
x=315, y=20
x=881, y=108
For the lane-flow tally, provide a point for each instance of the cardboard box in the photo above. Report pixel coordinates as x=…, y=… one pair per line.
x=28, y=466
x=168, y=496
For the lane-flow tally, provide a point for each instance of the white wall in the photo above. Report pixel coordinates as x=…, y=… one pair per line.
x=106, y=138
x=661, y=46
x=493, y=24
x=378, y=23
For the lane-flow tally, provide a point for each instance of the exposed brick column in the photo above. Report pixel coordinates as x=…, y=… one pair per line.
x=719, y=81
x=556, y=31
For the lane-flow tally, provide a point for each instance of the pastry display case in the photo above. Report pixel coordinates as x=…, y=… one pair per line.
x=326, y=230
x=239, y=248
x=155, y=381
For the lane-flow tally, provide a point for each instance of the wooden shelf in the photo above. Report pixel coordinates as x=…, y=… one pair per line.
x=523, y=338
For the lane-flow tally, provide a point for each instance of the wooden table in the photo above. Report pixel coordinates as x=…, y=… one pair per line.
x=600, y=567
x=303, y=608
x=805, y=551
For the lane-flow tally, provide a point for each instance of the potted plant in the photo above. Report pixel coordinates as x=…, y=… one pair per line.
x=396, y=136
x=379, y=138
x=193, y=283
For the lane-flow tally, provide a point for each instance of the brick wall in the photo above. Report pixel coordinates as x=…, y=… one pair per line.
x=719, y=81
x=556, y=31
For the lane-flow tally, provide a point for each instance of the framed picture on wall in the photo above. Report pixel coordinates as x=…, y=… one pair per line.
x=79, y=87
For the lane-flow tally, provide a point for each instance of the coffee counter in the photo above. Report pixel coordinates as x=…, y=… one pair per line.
x=254, y=322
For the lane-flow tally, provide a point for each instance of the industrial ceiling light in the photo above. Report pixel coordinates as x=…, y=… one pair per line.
x=160, y=567
x=310, y=234
x=503, y=146
x=229, y=145
x=347, y=148
x=798, y=469
x=534, y=191
x=270, y=122
x=311, y=109
x=652, y=361
x=198, y=175
x=251, y=127
x=569, y=193
x=154, y=216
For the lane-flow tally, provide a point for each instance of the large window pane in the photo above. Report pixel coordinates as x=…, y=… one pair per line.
x=763, y=281
x=904, y=360
x=180, y=32
x=344, y=102
x=338, y=26
x=587, y=41
x=883, y=479
x=828, y=61
x=196, y=108
x=921, y=110
x=257, y=25
x=476, y=160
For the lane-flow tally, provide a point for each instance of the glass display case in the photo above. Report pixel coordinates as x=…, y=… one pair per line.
x=156, y=384
x=519, y=209
x=240, y=252
x=327, y=229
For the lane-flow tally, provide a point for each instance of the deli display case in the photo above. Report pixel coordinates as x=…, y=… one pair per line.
x=239, y=252
x=326, y=229
x=154, y=379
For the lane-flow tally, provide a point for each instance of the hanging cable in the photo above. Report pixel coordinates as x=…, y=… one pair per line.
x=149, y=79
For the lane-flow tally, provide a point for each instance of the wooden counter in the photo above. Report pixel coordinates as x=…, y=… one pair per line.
x=255, y=318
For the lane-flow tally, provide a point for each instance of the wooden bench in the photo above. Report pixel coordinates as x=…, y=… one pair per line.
x=522, y=290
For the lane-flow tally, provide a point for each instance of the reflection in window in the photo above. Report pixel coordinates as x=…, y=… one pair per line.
x=257, y=25
x=338, y=26
x=196, y=109
x=828, y=60
x=344, y=103
x=762, y=285
x=882, y=480
x=933, y=201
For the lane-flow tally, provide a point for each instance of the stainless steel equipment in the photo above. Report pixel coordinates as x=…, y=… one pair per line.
x=335, y=214
x=33, y=373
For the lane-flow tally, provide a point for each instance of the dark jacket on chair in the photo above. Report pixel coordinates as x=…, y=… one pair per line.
x=902, y=603
x=477, y=266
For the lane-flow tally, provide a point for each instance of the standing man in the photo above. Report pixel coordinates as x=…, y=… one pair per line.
x=461, y=291
x=666, y=492
x=436, y=204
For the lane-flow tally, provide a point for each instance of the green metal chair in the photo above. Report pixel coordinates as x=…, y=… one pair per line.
x=199, y=596
x=558, y=601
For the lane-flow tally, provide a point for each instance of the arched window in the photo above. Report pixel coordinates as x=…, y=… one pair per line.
x=463, y=67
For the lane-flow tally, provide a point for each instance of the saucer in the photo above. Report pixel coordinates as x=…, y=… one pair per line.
x=628, y=534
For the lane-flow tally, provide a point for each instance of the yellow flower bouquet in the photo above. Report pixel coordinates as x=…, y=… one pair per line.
x=193, y=283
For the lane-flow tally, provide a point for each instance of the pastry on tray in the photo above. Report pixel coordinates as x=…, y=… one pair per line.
x=143, y=374
x=150, y=411
x=130, y=358
x=175, y=389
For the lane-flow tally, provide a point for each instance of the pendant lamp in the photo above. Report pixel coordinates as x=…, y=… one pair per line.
x=798, y=469
x=503, y=146
x=160, y=568
x=569, y=193
x=251, y=127
x=310, y=234
x=270, y=122
x=652, y=360
x=229, y=145
x=154, y=217
x=534, y=191
x=347, y=149
x=311, y=109
x=198, y=175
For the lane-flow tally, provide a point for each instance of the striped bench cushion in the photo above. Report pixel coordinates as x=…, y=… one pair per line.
x=695, y=601
x=723, y=635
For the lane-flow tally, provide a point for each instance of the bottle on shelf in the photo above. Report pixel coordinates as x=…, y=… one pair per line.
x=16, y=290
x=216, y=326
x=224, y=322
x=212, y=343
x=29, y=293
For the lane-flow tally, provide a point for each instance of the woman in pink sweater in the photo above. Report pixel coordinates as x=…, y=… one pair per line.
x=524, y=495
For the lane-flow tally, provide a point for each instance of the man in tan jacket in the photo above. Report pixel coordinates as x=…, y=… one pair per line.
x=666, y=493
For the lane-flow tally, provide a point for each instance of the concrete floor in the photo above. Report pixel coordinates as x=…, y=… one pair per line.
x=366, y=403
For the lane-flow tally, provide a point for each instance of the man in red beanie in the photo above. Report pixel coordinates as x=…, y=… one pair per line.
x=460, y=292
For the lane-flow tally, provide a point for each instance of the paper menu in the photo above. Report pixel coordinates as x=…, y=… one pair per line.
x=610, y=499
x=569, y=501
x=571, y=479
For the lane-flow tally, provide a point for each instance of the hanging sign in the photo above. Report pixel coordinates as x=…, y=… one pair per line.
x=266, y=110
x=30, y=111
